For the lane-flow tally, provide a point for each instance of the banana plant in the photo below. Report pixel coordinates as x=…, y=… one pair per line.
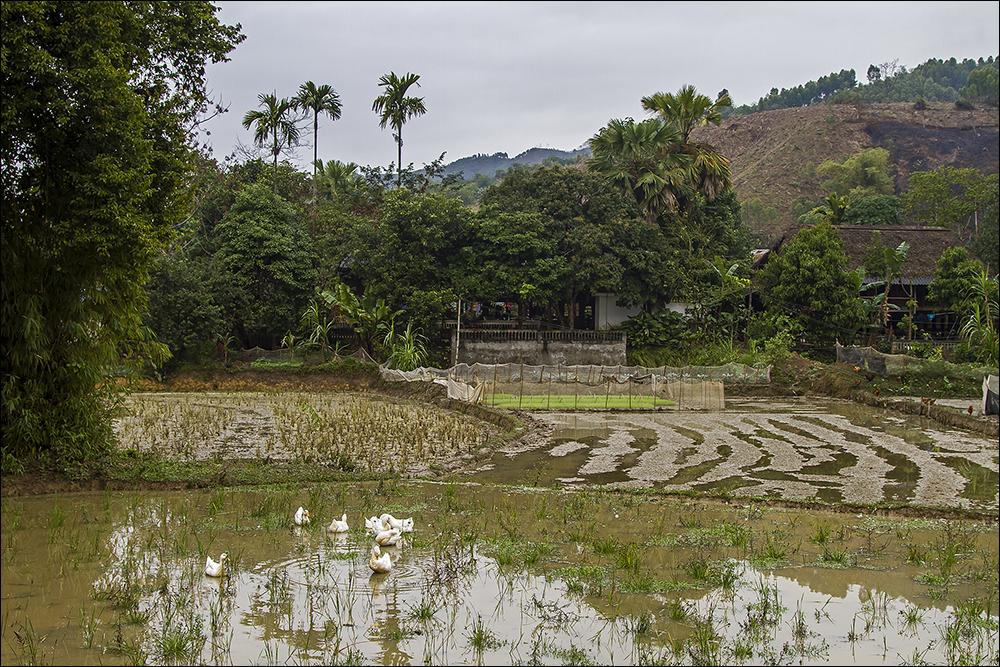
x=369, y=316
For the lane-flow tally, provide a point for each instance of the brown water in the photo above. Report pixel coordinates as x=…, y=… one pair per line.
x=117, y=578
x=501, y=570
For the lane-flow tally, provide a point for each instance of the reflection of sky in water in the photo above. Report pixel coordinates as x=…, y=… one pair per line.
x=305, y=596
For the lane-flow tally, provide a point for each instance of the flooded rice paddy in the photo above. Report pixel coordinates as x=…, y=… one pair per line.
x=561, y=553
x=830, y=451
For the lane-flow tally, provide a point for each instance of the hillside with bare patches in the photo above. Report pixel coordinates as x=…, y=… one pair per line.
x=774, y=154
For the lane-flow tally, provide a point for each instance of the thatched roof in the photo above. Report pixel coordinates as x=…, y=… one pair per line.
x=927, y=244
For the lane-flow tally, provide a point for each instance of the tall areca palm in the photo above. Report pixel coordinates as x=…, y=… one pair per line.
x=274, y=122
x=395, y=109
x=642, y=160
x=318, y=99
x=686, y=110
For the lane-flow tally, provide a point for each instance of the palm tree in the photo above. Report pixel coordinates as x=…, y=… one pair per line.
x=395, y=109
x=273, y=122
x=642, y=160
x=687, y=110
x=338, y=177
x=318, y=99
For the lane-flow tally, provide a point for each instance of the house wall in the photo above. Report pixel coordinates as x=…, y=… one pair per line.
x=608, y=315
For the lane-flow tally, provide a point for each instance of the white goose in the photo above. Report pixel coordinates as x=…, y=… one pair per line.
x=302, y=517
x=213, y=569
x=339, y=525
x=388, y=538
x=379, y=562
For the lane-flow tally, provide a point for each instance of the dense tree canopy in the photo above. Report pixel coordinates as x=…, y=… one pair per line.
x=809, y=283
x=954, y=278
x=264, y=245
x=962, y=200
x=99, y=101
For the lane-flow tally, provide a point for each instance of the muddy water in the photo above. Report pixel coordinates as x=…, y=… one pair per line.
x=538, y=557
x=490, y=575
x=831, y=451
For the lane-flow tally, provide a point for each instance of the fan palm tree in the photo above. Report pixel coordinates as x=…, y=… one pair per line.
x=318, y=99
x=686, y=110
x=395, y=109
x=273, y=122
x=338, y=177
x=642, y=160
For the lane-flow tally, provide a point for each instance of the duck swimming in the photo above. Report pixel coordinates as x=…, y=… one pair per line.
x=403, y=525
x=375, y=525
x=388, y=538
x=379, y=562
x=339, y=525
x=213, y=569
x=302, y=517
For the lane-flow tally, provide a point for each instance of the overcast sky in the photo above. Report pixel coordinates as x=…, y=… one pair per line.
x=506, y=77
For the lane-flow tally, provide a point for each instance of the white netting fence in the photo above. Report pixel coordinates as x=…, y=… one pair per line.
x=588, y=387
x=870, y=359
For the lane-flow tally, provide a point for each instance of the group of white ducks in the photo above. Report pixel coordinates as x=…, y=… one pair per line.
x=386, y=530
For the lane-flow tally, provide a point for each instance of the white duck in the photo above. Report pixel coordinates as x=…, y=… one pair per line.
x=213, y=569
x=403, y=525
x=379, y=562
x=302, y=517
x=339, y=525
x=375, y=525
x=388, y=538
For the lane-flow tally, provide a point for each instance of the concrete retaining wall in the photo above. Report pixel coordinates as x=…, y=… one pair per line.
x=541, y=349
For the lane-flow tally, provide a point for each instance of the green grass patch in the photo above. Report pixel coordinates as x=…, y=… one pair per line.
x=566, y=401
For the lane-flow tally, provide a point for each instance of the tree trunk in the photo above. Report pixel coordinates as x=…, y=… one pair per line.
x=571, y=304
x=315, y=157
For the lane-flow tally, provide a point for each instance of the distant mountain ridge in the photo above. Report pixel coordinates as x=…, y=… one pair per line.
x=489, y=165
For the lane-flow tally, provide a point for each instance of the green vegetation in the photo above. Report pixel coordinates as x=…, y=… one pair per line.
x=564, y=401
x=96, y=155
x=174, y=259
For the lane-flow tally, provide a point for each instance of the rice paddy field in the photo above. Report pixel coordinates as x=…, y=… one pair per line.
x=619, y=538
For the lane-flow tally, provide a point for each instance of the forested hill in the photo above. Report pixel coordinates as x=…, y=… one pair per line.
x=489, y=165
x=774, y=154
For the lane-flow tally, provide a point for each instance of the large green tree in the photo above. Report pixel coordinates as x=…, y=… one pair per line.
x=597, y=238
x=274, y=121
x=809, y=283
x=317, y=99
x=395, y=108
x=412, y=254
x=264, y=245
x=963, y=200
x=954, y=278
x=99, y=105
x=861, y=175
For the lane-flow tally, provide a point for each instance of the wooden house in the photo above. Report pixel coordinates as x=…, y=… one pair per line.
x=926, y=245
